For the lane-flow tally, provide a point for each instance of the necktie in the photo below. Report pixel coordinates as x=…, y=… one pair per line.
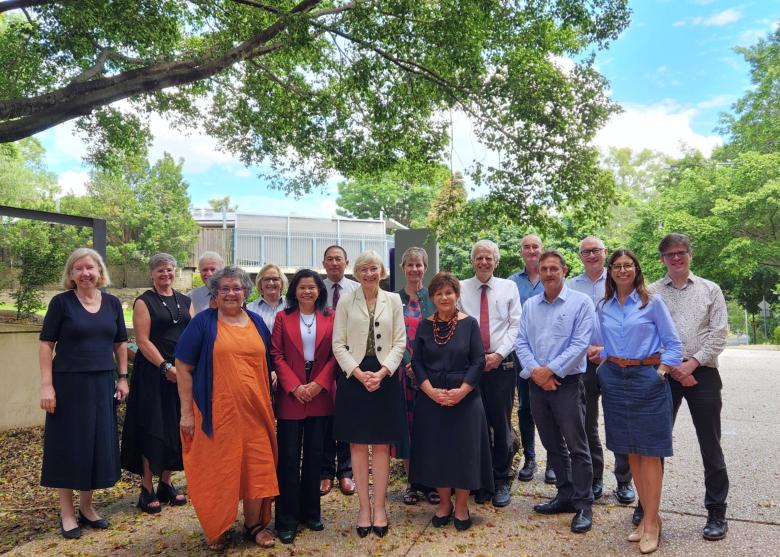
x=484, y=319
x=336, y=294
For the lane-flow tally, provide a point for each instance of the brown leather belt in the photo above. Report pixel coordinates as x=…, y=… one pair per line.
x=653, y=360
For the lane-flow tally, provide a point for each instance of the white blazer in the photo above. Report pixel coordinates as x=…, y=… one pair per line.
x=350, y=330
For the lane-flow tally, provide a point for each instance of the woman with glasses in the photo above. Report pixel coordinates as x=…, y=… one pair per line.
x=271, y=284
x=227, y=421
x=637, y=399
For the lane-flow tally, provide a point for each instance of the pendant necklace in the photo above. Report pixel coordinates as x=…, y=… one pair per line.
x=178, y=306
x=308, y=325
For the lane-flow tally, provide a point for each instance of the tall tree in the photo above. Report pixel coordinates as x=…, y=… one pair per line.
x=311, y=87
x=24, y=180
x=404, y=193
x=220, y=204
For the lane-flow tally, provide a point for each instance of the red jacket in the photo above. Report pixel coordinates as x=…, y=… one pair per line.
x=287, y=352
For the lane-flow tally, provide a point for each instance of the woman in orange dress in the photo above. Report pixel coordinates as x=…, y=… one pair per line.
x=227, y=420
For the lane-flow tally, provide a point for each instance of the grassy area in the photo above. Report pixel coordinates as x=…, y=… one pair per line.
x=128, y=312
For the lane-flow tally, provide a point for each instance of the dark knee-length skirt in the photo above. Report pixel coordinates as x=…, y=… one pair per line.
x=80, y=441
x=637, y=410
x=368, y=418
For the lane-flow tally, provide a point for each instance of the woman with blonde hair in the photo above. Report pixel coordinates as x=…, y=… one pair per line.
x=86, y=329
x=369, y=340
x=271, y=284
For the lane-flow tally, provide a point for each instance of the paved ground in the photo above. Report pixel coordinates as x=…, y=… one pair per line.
x=751, y=437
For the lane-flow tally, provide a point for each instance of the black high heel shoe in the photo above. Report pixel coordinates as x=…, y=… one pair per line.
x=363, y=531
x=380, y=531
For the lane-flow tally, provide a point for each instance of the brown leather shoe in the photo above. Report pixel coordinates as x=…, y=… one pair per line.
x=347, y=486
x=325, y=487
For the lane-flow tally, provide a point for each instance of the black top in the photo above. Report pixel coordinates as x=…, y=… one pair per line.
x=163, y=332
x=446, y=366
x=84, y=340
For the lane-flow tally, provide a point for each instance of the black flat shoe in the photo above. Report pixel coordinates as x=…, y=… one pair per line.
x=314, y=525
x=380, y=531
x=99, y=524
x=72, y=534
x=598, y=489
x=716, y=526
x=624, y=493
x=363, y=531
x=168, y=493
x=526, y=473
x=461, y=525
x=145, y=499
x=549, y=476
x=441, y=521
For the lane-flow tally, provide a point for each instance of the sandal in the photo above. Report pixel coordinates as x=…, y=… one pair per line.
x=411, y=497
x=433, y=497
x=220, y=544
x=168, y=493
x=252, y=532
x=145, y=501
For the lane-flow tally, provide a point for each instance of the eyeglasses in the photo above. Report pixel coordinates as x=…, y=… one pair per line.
x=230, y=289
x=625, y=267
x=674, y=254
x=270, y=279
x=594, y=251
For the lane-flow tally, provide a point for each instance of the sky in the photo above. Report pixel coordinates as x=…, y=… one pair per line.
x=673, y=71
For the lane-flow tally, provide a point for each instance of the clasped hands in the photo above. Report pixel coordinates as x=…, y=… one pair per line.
x=371, y=379
x=684, y=373
x=447, y=397
x=544, y=377
x=306, y=393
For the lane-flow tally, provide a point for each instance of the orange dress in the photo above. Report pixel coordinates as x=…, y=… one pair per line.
x=239, y=460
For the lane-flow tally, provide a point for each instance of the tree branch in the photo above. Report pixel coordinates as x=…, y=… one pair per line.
x=25, y=117
x=8, y=5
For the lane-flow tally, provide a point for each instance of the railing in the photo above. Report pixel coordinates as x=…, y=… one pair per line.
x=255, y=248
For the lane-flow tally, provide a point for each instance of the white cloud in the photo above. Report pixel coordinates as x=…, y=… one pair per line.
x=73, y=182
x=718, y=19
x=718, y=101
x=664, y=127
x=199, y=151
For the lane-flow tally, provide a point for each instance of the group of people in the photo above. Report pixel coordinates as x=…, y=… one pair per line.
x=325, y=379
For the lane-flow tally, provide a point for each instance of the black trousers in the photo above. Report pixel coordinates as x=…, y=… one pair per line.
x=592, y=395
x=498, y=395
x=705, y=403
x=299, y=475
x=336, y=458
x=525, y=419
x=560, y=415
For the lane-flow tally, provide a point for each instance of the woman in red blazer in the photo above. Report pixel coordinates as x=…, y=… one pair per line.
x=306, y=368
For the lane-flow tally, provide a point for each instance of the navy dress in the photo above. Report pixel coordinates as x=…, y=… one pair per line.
x=450, y=444
x=80, y=441
x=153, y=409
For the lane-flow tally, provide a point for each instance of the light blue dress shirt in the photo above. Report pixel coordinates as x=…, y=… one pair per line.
x=555, y=334
x=526, y=288
x=633, y=333
x=582, y=283
x=264, y=310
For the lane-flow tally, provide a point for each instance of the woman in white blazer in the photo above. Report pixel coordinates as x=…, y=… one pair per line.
x=369, y=339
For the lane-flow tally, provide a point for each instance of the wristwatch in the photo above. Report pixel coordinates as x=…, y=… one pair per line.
x=165, y=367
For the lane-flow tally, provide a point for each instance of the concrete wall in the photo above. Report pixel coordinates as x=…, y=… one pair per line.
x=20, y=378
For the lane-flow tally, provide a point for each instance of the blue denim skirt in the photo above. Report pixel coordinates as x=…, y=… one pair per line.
x=637, y=410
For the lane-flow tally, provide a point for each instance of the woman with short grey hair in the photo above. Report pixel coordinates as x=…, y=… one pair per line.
x=150, y=439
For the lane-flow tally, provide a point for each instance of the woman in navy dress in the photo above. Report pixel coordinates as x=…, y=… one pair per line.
x=637, y=398
x=86, y=327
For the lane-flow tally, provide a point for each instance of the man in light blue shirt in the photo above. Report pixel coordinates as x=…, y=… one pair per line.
x=593, y=253
x=555, y=333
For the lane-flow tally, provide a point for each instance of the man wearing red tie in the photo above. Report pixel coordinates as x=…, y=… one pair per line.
x=336, y=461
x=494, y=303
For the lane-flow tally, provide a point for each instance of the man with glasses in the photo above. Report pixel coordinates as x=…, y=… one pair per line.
x=336, y=459
x=528, y=285
x=494, y=303
x=591, y=282
x=698, y=309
